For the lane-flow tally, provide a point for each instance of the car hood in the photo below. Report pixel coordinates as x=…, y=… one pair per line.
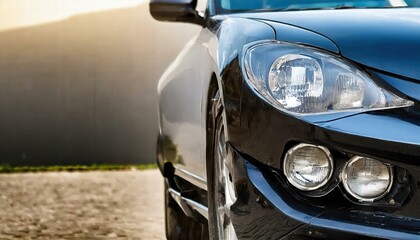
x=383, y=39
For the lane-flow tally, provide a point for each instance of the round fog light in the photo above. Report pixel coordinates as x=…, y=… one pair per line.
x=308, y=167
x=367, y=179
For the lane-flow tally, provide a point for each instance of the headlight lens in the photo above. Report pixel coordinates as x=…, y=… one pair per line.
x=367, y=179
x=302, y=80
x=308, y=167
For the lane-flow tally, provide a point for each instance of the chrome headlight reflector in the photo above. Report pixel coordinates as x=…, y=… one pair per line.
x=304, y=80
x=308, y=167
x=367, y=179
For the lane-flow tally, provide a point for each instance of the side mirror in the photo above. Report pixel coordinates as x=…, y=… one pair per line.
x=175, y=11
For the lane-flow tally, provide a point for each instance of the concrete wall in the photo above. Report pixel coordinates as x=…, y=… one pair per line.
x=80, y=89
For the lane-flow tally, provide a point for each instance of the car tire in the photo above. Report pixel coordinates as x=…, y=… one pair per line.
x=221, y=193
x=177, y=225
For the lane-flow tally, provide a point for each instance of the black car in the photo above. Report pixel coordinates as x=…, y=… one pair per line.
x=292, y=119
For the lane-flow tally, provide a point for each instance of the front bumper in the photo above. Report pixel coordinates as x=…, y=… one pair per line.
x=260, y=135
x=266, y=211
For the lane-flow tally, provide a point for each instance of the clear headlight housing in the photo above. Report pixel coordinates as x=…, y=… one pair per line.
x=303, y=80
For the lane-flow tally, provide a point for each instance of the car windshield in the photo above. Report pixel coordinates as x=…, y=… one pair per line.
x=229, y=6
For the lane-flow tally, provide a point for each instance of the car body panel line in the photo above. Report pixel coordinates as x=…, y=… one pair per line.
x=300, y=35
x=190, y=177
x=203, y=210
x=258, y=180
x=363, y=230
x=187, y=205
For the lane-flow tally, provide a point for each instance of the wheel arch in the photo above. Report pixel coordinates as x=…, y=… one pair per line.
x=210, y=120
x=211, y=115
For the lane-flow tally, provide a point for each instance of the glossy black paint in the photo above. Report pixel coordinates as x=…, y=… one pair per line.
x=390, y=135
x=263, y=134
x=175, y=10
x=384, y=39
x=408, y=88
x=293, y=34
x=384, y=43
x=252, y=215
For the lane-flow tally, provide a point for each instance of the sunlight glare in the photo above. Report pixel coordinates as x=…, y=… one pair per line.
x=23, y=13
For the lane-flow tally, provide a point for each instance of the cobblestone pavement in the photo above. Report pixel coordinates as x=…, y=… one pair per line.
x=82, y=205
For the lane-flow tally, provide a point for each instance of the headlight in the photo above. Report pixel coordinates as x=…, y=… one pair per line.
x=303, y=80
x=308, y=167
x=367, y=179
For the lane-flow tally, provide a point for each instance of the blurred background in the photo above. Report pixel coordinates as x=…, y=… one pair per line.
x=78, y=80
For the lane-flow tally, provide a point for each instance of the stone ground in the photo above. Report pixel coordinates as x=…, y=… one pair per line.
x=82, y=205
